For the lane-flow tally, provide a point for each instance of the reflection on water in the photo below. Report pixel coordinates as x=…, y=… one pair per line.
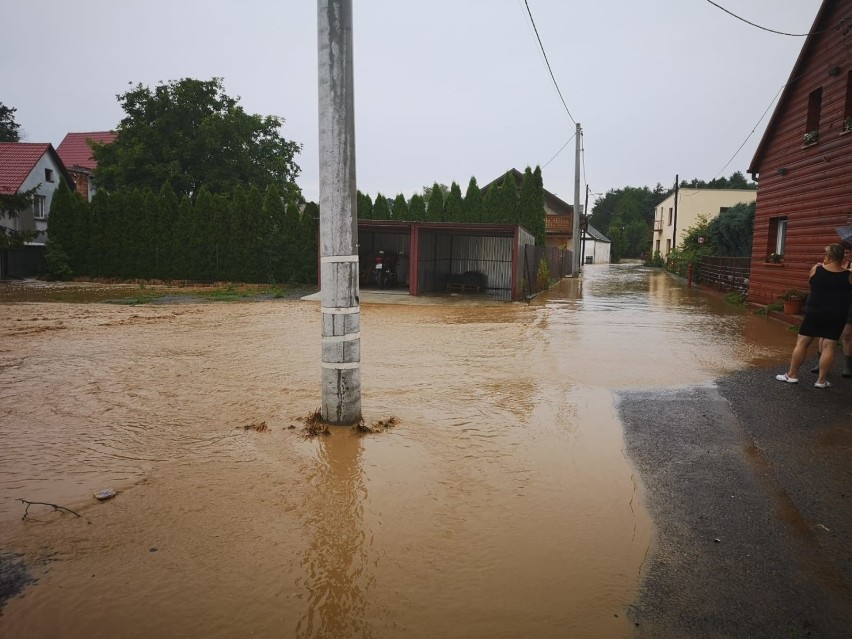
x=335, y=572
x=501, y=506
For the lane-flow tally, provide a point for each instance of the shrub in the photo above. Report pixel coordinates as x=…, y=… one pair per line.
x=542, y=278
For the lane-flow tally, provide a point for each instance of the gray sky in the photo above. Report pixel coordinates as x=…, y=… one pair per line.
x=444, y=89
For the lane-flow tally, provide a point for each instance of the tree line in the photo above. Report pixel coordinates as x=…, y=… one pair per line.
x=505, y=202
x=247, y=235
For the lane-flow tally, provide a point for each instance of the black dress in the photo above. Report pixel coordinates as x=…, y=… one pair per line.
x=828, y=304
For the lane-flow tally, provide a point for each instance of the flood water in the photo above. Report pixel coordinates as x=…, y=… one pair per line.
x=502, y=505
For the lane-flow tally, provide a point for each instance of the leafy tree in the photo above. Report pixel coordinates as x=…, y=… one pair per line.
x=9, y=129
x=443, y=188
x=538, y=225
x=56, y=261
x=255, y=228
x=60, y=224
x=435, y=207
x=526, y=199
x=271, y=242
x=192, y=134
x=417, y=208
x=308, y=239
x=736, y=181
x=472, y=203
x=365, y=206
x=381, y=208
x=295, y=252
x=400, y=208
x=235, y=265
x=490, y=212
x=97, y=221
x=731, y=232
x=508, y=202
x=454, y=209
x=207, y=234
x=691, y=248
x=182, y=241
x=166, y=213
x=11, y=204
x=531, y=207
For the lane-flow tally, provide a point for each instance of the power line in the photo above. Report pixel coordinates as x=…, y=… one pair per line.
x=795, y=35
x=552, y=77
x=562, y=148
x=752, y=131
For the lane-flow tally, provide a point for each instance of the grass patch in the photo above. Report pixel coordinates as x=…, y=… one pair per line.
x=775, y=306
x=133, y=301
x=735, y=298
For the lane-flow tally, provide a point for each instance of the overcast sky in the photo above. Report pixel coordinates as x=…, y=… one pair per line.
x=444, y=89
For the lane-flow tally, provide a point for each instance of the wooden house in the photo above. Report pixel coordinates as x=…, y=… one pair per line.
x=803, y=164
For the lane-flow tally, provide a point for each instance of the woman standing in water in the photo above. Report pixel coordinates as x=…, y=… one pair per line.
x=825, y=314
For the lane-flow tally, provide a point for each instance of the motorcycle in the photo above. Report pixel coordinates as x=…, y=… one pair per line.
x=384, y=270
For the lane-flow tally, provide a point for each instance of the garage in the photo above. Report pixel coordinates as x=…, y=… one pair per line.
x=495, y=260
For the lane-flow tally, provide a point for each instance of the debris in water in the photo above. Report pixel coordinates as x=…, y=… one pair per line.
x=314, y=426
x=258, y=427
x=378, y=427
x=106, y=493
x=54, y=506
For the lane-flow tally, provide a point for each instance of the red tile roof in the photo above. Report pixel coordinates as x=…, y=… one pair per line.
x=17, y=159
x=75, y=150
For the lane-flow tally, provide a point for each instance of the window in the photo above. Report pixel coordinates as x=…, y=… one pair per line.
x=658, y=246
x=668, y=246
x=48, y=175
x=777, y=239
x=847, y=111
x=38, y=207
x=671, y=214
x=814, y=108
x=722, y=209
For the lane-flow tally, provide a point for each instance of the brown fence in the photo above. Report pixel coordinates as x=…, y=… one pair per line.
x=725, y=273
x=558, y=263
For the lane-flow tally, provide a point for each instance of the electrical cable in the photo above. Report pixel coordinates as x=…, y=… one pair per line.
x=752, y=132
x=552, y=77
x=562, y=148
x=794, y=35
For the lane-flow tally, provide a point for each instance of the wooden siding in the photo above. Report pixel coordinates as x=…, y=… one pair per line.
x=809, y=185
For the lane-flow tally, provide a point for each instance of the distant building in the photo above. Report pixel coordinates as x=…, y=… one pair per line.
x=595, y=246
x=77, y=156
x=671, y=226
x=24, y=166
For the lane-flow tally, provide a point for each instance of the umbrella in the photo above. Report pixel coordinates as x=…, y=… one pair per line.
x=845, y=233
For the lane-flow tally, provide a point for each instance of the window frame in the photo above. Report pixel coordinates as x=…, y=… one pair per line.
x=39, y=207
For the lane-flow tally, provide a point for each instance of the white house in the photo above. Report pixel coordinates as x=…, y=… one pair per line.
x=596, y=246
x=25, y=166
x=672, y=219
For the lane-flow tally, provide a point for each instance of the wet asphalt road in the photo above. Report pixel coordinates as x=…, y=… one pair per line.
x=750, y=486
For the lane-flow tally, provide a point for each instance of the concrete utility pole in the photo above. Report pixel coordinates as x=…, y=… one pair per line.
x=575, y=269
x=341, y=313
x=674, y=227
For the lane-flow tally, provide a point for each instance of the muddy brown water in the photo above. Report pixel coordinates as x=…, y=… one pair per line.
x=502, y=505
